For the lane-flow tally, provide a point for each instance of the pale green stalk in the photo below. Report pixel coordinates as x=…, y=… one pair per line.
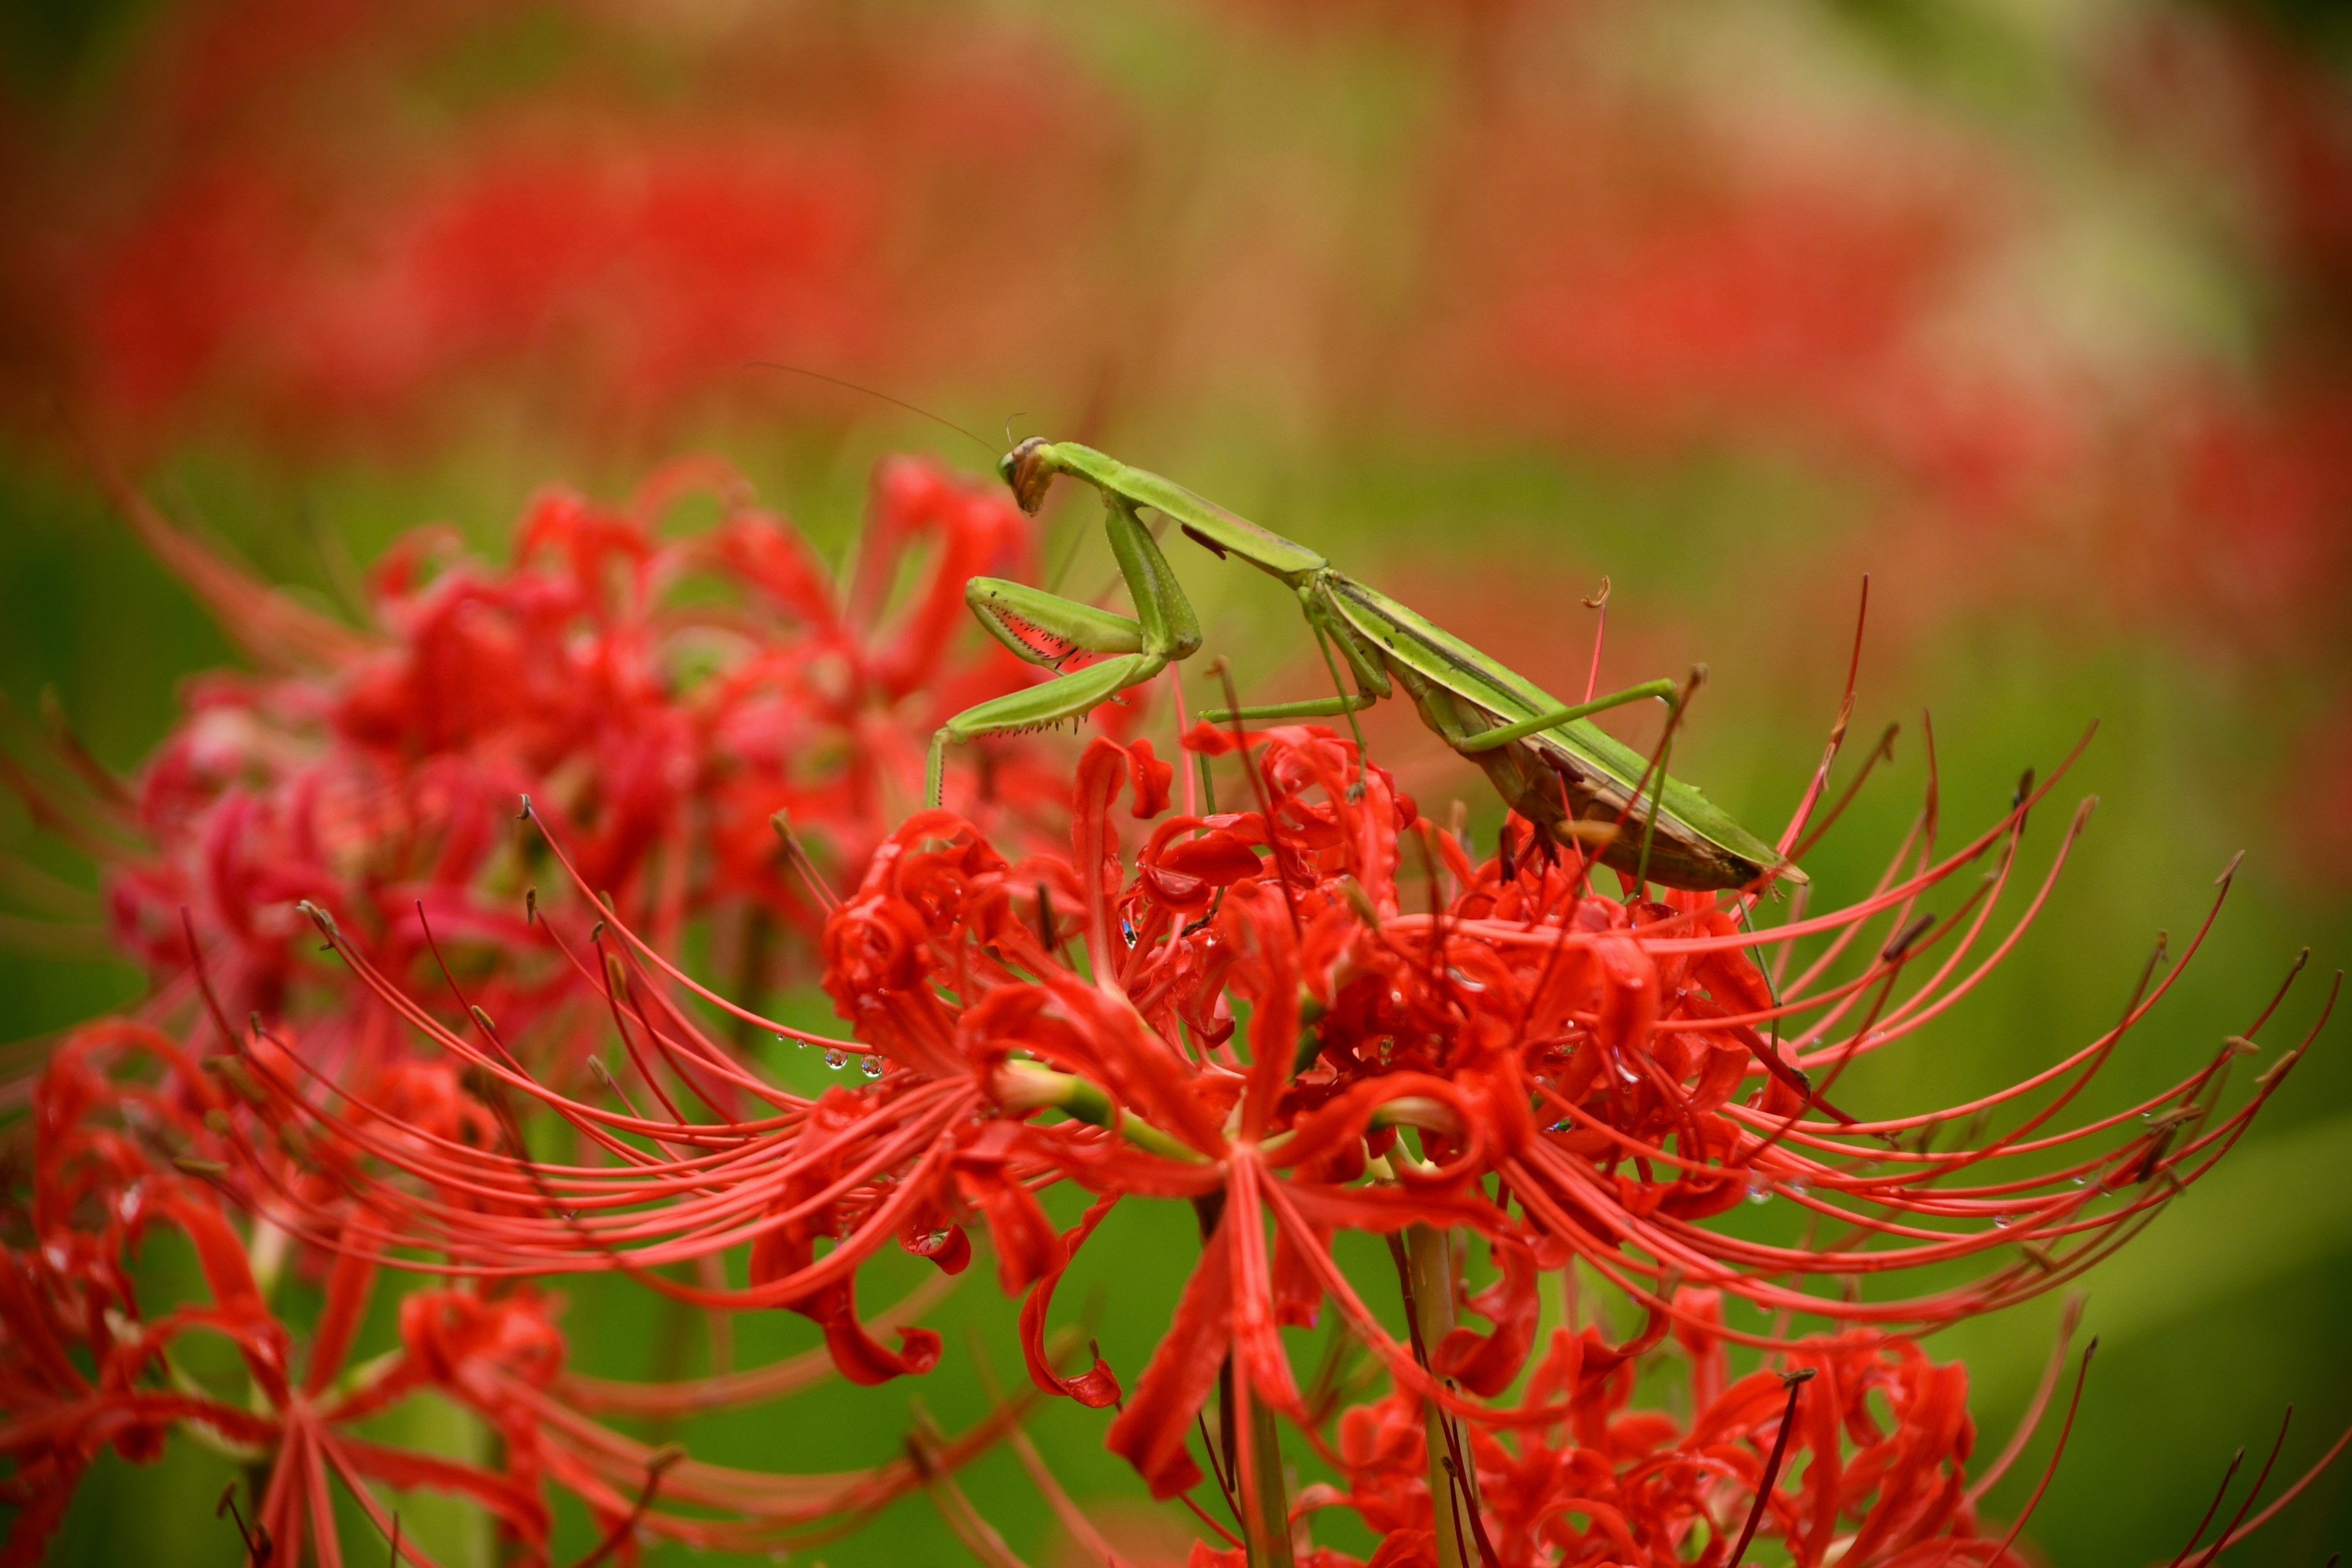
x=1430, y=1279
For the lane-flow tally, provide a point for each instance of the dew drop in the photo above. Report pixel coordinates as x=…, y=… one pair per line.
x=2000, y=1222
x=1628, y=1074
x=2080, y=1181
x=1758, y=1190
x=835, y=1058
x=1795, y=1186
x=870, y=1066
x=1560, y=1125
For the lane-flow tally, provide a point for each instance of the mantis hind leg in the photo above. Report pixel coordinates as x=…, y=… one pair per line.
x=1312, y=708
x=1371, y=680
x=1665, y=691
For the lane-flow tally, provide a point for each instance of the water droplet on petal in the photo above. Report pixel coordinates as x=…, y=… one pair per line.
x=1795, y=1186
x=1758, y=1190
x=1560, y=1125
x=870, y=1066
x=835, y=1058
x=2080, y=1181
x=2000, y=1222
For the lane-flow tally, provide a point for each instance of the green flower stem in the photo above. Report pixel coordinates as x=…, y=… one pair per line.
x=1266, y=1529
x=1269, y=1530
x=1430, y=1282
x=1028, y=1086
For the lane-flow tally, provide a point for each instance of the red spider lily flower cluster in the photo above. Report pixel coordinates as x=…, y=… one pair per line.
x=1605, y=1484
x=1568, y=1077
x=130, y=1136
x=259, y=245
x=660, y=699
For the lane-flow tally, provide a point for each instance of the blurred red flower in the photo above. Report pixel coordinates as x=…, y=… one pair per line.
x=300, y=227
x=122, y=1151
x=660, y=699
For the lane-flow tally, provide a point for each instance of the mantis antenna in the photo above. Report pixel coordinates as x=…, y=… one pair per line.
x=880, y=396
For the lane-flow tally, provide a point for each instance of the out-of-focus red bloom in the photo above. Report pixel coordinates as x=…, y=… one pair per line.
x=118, y=1155
x=659, y=699
x=1631, y=261
x=653, y=272
x=1644, y=270
x=265, y=237
x=104, y=1151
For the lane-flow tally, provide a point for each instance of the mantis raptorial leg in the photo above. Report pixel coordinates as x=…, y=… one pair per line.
x=1047, y=631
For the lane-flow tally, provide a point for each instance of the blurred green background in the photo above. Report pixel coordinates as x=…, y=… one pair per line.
x=2035, y=312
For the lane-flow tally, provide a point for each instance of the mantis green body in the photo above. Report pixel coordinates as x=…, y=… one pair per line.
x=1547, y=758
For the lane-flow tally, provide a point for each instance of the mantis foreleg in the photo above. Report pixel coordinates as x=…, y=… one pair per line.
x=1046, y=630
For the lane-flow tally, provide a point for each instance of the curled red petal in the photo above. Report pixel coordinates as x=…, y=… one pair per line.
x=1151, y=778
x=946, y=1246
x=864, y=1360
x=1097, y=1386
x=1026, y=1246
x=1487, y=1363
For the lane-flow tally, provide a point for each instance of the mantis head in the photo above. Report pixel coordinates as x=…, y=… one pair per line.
x=1027, y=473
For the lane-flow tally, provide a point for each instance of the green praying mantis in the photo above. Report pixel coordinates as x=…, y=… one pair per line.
x=1546, y=758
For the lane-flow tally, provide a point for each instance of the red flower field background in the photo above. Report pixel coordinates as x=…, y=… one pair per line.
x=500, y=1041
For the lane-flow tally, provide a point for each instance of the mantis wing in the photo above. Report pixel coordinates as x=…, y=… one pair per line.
x=1696, y=844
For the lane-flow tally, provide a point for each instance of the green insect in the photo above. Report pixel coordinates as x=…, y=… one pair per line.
x=1547, y=760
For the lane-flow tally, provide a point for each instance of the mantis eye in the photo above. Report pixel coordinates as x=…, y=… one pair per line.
x=1027, y=474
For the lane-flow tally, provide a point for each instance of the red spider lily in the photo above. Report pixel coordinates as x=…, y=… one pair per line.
x=1862, y=1480
x=254, y=241
x=660, y=724
x=1585, y=1077
x=1644, y=269
x=115, y=1159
